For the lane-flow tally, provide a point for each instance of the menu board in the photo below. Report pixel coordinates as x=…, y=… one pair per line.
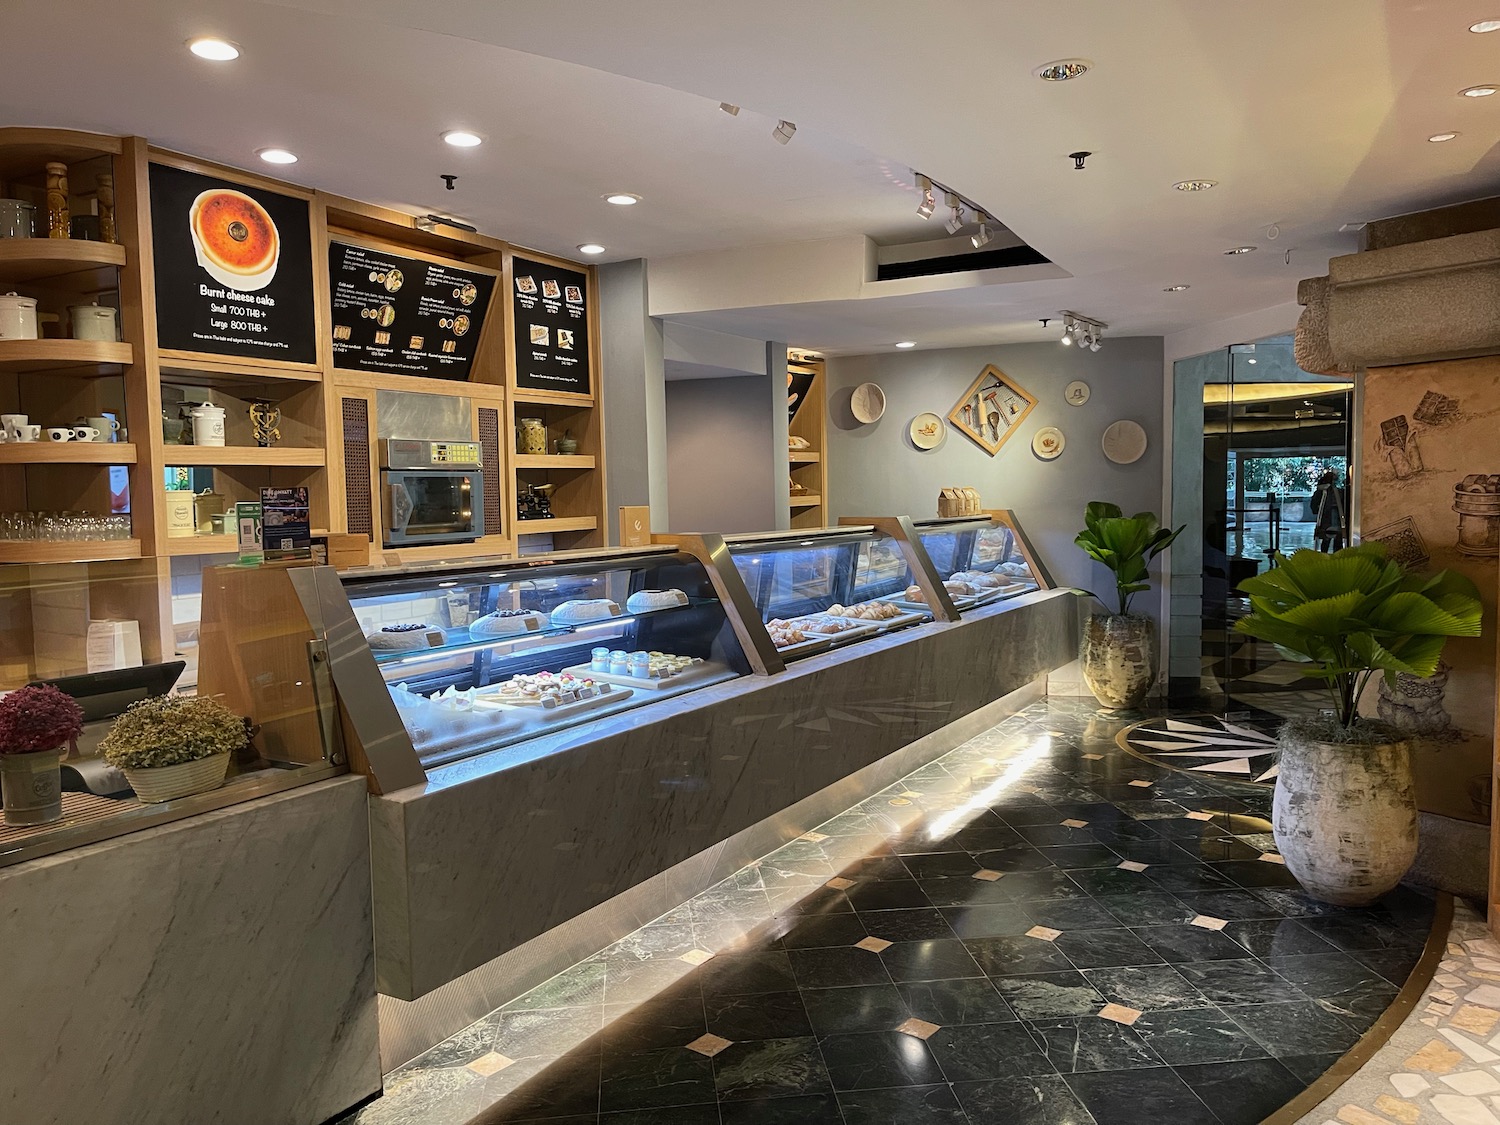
x=404, y=316
x=233, y=268
x=552, y=328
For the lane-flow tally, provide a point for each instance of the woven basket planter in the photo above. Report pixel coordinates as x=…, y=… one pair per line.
x=163, y=783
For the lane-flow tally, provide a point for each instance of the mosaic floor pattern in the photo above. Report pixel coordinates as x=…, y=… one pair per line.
x=1038, y=928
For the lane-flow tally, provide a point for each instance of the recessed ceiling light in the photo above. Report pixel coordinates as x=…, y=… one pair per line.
x=1176, y=288
x=906, y=343
x=622, y=199
x=215, y=50
x=1479, y=91
x=276, y=155
x=1484, y=25
x=461, y=138
x=590, y=248
x=1195, y=185
x=1241, y=250
x=1439, y=138
x=1062, y=70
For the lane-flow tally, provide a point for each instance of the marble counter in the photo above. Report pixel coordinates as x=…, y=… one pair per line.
x=216, y=969
x=496, y=850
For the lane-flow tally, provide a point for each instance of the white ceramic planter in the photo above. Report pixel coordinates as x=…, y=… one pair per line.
x=1119, y=658
x=31, y=786
x=1345, y=818
x=163, y=783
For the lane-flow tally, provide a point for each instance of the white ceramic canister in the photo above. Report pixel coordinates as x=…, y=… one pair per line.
x=17, y=219
x=17, y=317
x=94, y=322
x=208, y=424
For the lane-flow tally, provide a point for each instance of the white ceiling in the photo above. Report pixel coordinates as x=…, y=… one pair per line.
x=1311, y=113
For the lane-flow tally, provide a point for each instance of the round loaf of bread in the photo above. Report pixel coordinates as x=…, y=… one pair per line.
x=507, y=622
x=643, y=600
x=585, y=609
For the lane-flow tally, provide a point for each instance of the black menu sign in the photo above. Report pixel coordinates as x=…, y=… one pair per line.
x=233, y=268
x=404, y=316
x=552, y=328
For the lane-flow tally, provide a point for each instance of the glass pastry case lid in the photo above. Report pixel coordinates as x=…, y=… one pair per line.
x=979, y=559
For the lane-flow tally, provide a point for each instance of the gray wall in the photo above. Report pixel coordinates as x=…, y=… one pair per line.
x=875, y=470
x=720, y=446
x=632, y=385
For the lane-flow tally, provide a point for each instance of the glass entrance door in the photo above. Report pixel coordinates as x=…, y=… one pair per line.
x=1277, y=446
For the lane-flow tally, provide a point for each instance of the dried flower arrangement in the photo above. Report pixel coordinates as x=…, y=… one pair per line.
x=38, y=717
x=171, y=729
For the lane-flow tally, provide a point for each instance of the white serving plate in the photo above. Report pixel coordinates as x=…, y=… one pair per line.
x=535, y=706
x=859, y=628
x=693, y=675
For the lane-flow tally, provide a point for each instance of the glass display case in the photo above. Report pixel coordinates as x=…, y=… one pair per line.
x=980, y=559
x=824, y=588
x=102, y=632
x=481, y=656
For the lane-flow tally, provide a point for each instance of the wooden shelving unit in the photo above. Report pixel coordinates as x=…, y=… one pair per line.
x=82, y=267
x=68, y=453
x=73, y=550
x=74, y=357
x=556, y=462
x=240, y=456
x=556, y=525
x=805, y=467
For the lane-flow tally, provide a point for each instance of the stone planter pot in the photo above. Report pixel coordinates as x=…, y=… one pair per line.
x=163, y=783
x=1119, y=658
x=31, y=787
x=1345, y=818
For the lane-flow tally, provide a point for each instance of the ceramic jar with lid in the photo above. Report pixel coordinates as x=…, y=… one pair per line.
x=18, y=317
x=532, y=438
x=94, y=322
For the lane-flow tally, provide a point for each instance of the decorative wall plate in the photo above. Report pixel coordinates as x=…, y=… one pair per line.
x=1124, y=442
x=867, y=403
x=926, y=431
x=1076, y=393
x=1048, y=443
x=991, y=410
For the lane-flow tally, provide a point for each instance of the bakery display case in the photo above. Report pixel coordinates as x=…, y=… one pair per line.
x=824, y=588
x=981, y=559
x=483, y=654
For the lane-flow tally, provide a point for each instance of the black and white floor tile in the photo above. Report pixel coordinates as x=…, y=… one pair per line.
x=1038, y=928
x=1205, y=744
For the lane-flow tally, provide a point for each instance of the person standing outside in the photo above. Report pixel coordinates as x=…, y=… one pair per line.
x=1328, y=510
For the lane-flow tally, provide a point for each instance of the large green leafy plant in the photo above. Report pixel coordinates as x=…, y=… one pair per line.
x=1125, y=544
x=1354, y=613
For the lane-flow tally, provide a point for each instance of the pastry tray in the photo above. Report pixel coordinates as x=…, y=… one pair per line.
x=907, y=617
x=861, y=627
x=694, y=675
x=960, y=601
x=562, y=708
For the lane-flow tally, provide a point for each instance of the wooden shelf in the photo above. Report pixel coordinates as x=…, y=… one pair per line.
x=74, y=357
x=45, y=551
x=563, y=523
x=214, y=455
x=181, y=370
x=67, y=452
x=26, y=152
x=74, y=263
x=803, y=457
x=201, y=545
x=582, y=402
x=574, y=461
x=808, y=500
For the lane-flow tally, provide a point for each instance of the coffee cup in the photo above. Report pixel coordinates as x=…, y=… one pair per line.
x=59, y=433
x=85, y=433
x=12, y=423
x=32, y=432
x=108, y=427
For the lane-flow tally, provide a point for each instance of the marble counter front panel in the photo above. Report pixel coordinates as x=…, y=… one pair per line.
x=499, y=849
x=216, y=969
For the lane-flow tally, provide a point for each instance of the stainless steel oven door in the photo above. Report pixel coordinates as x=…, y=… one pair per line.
x=439, y=506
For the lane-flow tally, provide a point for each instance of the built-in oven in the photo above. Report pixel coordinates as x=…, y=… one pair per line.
x=433, y=491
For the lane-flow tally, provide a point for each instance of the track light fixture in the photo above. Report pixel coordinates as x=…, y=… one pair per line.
x=956, y=222
x=982, y=235
x=929, y=201
x=1084, y=331
x=730, y=108
x=783, y=131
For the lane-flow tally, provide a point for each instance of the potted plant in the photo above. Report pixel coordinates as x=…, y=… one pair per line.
x=1345, y=812
x=1119, y=649
x=38, y=724
x=174, y=745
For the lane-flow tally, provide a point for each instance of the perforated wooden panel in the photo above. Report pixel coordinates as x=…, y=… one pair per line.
x=489, y=460
x=357, y=485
